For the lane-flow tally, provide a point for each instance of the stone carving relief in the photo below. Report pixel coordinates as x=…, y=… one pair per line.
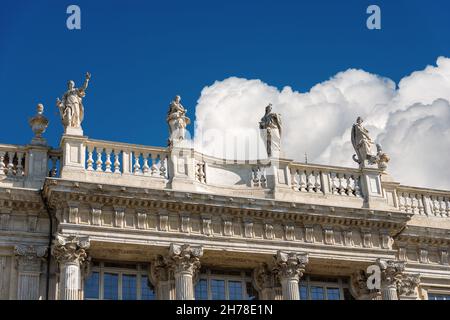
x=70, y=249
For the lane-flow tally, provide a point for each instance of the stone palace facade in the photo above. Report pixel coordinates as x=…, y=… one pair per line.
x=96, y=219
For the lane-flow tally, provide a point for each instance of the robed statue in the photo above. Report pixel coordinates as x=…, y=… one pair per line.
x=270, y=126
x=177, y=120
x=367, y=153
x=71, y=105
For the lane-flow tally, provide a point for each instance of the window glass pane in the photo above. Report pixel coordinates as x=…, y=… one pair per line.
x=235, y=290
x=333, y=294
x=218, y=289
x=432, y=296
x=147, y=293
x=252, y=294
x=303, y=293
x=110, y=286
x=317, y=293
x=91, y=286
x=201, y=290
x=129, y=287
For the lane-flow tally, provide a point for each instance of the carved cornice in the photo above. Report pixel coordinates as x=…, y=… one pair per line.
x=175, y=201
x=290, y=264
x=70, y=249
x=185, y=258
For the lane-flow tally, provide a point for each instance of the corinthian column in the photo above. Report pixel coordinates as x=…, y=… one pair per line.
x=264, y=281
x=185, y=263
x=70, y=253
x=391, y=275
x=289, y=269
x=29, y=264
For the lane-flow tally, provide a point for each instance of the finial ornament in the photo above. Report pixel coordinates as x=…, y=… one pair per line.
x=177, y=120
x=270, y=126
x=38, y=124
x=367, y=153
x=71, y=107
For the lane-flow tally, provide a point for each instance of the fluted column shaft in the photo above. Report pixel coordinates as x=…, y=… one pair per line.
x=70, y=253
x=389, y=292
x=184, y=286
x=29, y=263
x=289, y=286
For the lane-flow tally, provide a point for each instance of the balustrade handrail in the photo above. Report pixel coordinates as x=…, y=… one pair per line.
x=423, y=191
x=124, y=146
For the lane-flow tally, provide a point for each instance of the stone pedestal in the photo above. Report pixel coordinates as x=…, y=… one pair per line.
x=181, y=168
x=70, y=253
x=29, y=264
x=289, y=269
x=74, y=156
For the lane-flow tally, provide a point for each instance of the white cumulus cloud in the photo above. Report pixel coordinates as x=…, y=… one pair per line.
x=411, y=121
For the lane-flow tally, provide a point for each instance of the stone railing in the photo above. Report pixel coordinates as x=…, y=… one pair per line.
x=425, y=202
x=322, y=179
x=120, y=158
x=13, y=160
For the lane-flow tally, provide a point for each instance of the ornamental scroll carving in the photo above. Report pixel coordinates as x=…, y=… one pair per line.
x=290, y=264
x=185, y=258
x=70, y=249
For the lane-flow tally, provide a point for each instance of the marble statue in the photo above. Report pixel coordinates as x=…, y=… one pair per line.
x=177, y=120
x=367, y=153
x=270, y=126
x=71, y=107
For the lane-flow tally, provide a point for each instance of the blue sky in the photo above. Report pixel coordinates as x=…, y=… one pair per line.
x=142, y=53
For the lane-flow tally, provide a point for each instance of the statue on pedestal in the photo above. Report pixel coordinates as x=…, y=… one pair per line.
x=270, y=126
x=367, y=153
x=71, y=107
x=177, y=120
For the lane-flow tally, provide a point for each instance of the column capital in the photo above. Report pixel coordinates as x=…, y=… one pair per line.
x=185, y=258
x=391, y=270
x=290, y=264
x=263, y=277
x=70, y=249
x=29, y=257
x=407, y=286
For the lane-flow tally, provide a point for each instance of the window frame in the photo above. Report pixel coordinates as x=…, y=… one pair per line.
x=325, y=285
x=209, y=276
x=139, y=272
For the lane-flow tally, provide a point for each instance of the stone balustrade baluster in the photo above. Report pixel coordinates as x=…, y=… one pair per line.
x=10, y=165
x=137, y=165
x=108, y=162
x=294, y=179
x=90, y=160
x=2, y=163
x=163, y=166
x=334, y=183
x=54, y=170
x=309, y=183
x=145, y=166
x=357, y=186
x=155, y=159
x=116, y=161
x=317, y=183
x=302, y=182
x=99, y=161
x=19, y=169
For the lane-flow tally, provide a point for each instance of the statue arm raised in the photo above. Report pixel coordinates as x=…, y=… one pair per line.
x=86, y=81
